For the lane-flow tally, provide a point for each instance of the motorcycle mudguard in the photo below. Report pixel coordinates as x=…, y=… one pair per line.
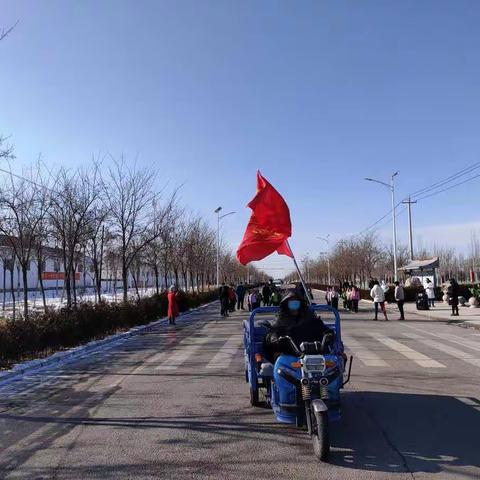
x=319, y=406
x=284, y=402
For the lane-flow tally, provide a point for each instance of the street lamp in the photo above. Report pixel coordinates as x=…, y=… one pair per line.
x=219, y=217
x=391, y=187
x=326, y=240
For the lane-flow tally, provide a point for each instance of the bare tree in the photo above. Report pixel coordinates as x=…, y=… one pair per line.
x=24, y=205
x=130, y=195
x=72, y=214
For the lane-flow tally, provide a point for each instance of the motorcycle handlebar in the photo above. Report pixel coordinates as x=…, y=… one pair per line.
x=292, y=344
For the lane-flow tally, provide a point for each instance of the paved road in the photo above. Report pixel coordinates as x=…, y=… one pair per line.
x=173, y=404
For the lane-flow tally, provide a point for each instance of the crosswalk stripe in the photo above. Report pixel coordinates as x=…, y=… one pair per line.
x=226, y=354
x=442, y=347
x=366, y=356
x=451, y=338
x=181, y=356
x=410, y=353
x=470, y=402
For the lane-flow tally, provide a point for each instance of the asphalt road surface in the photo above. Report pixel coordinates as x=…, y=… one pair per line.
x=173, y=404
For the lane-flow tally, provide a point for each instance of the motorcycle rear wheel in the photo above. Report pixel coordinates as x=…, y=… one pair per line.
x=321, y=436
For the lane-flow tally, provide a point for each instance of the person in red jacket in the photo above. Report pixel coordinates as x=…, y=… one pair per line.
x=172, y=305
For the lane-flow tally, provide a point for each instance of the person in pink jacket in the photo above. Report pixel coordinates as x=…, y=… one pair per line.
x=355, y=298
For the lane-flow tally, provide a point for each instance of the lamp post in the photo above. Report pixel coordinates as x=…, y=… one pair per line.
x=219, y=217
x=391, y=187
x=326, y=240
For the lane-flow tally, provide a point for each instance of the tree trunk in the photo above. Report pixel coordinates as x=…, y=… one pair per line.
x=135, y=277
x=4, y=286
x=25, y=290
x=157, y=274
x=98, y=281
x=40, y=281
x=74, y=285
x=12, y=292
x=125, y=282
x=66, y=277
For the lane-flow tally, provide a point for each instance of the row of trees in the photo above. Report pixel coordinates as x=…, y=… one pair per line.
x=358, y=259
x=116, y=218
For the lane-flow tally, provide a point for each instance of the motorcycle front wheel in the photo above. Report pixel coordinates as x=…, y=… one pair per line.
x=321, y=436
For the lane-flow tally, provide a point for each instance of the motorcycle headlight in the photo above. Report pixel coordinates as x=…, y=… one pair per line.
x=313, y=363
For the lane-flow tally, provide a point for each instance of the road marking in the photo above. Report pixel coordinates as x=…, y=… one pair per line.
x=366, y=356
x=182, y=355
x=407, y=352
x=470, y=402
x=442, y=347
x=451, y=338
x=227, y=353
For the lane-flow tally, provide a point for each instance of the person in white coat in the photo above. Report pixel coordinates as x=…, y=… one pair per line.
x=378, y=295
x=430, y=291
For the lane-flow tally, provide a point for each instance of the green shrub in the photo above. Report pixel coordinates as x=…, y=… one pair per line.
x=43, y=333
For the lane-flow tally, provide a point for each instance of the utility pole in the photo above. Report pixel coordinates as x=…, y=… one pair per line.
x=391, y=187
x=327, y=255
x=410, y=233
x=219, y=217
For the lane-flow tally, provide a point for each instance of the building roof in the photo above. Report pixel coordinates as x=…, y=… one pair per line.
x=427, y=264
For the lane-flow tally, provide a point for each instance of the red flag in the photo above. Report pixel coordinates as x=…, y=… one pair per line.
x=269, y=226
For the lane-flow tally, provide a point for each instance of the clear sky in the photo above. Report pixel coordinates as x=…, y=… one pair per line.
x=316, y=94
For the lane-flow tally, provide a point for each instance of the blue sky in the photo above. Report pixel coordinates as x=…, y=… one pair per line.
x=316, y=94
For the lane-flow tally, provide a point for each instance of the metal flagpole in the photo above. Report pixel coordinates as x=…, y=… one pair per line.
x=299, y=274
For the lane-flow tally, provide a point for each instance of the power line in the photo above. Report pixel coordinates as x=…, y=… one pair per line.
x=446, y=180
x=427, y=189
x=449, y=187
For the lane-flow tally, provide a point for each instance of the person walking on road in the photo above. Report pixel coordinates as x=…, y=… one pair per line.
x=275, y=298
x=254, y=299
x=430, y=291
x=453, y=292
x=334, y=298
x=378, y=296
x=355, y=296
x=223, y=296
x=400, y=299
x=240, y=291
x=328, y=297
x=232, y=298
x=172, y=305
x=266, y=293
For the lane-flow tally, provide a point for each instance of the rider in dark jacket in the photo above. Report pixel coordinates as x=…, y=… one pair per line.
x=295, y=320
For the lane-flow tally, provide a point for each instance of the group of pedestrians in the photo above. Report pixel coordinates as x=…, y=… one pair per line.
x=350, y=295
x=231, y=297
x=268, y=296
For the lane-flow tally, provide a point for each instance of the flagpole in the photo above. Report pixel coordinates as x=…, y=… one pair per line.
x=299, y=274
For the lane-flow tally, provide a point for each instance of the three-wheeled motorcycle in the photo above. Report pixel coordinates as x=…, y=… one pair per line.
x=302, y=388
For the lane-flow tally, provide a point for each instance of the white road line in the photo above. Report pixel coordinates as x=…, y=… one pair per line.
x=226, y=354
x=366, y=356
x=442, y=347
x=407, y=352
x=469, y=402
x=451, y=338
x=182, y=355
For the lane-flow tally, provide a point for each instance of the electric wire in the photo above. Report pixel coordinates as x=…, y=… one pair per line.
x=423, y=193
x=446, y=180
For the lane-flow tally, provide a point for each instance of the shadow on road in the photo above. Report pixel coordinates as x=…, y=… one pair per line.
x=424, y=433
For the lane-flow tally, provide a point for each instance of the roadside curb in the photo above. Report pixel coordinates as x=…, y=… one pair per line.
x=31, y=366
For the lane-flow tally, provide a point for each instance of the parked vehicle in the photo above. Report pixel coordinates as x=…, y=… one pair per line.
x=303, y=388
